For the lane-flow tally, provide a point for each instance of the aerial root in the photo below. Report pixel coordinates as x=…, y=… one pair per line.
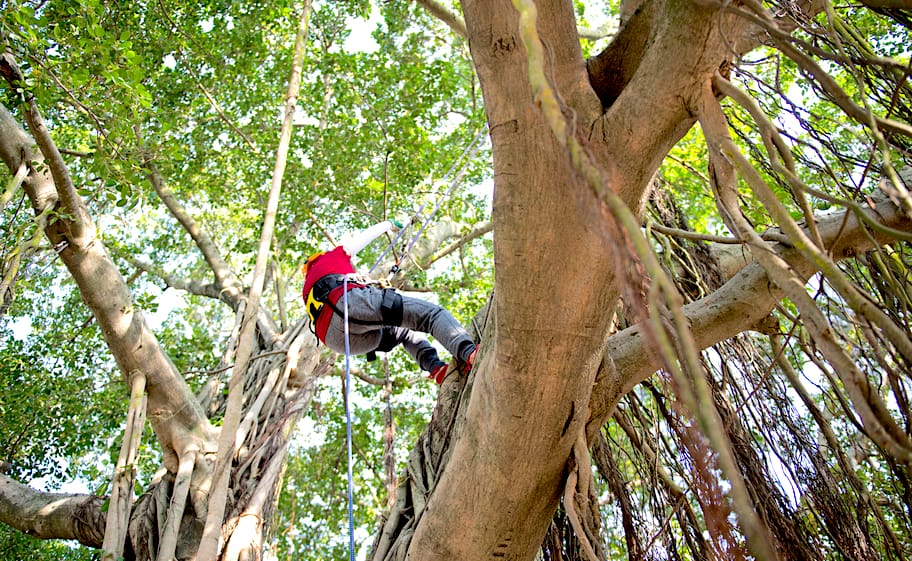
x=580, y=473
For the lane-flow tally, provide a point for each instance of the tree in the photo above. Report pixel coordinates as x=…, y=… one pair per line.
x=801, y=109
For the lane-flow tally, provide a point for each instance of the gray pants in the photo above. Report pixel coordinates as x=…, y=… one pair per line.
x=418, y=317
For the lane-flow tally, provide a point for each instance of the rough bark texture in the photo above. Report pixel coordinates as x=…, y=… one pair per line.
x=519, y=427
x=527, y=408
x=52, y=515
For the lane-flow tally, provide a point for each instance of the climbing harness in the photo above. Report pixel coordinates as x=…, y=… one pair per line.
x=314, y=307
x=327, y=291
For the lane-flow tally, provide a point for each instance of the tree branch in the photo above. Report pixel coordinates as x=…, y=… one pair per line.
x=174, y=412
x=227, y=446
x=452, y=19
x=198, y=288
x=82, y=229
x=737, y=306
x=228, y=287
x=52, y=515
x=478, y=230
x=224, y=276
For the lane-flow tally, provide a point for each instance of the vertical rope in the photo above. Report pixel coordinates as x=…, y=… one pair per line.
x=474, y=148
x=348, y=420
x=471, y=149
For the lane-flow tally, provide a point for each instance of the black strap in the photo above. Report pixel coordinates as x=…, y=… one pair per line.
x=388, y=342
x=324, y=286
x=391, y=307
x=322, y=289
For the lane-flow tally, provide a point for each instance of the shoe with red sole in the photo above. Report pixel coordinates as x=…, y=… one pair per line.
x=470, y=360
x=438, y=373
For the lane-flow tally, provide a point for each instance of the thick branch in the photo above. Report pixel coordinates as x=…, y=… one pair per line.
x=660, y=57
x=173, y=410
x=193, y=287
x=612, y=69
x=82, y=229
x=737, y=306
x=477, y=231
x=457, y=25
x=52, y=515
x=444, y=14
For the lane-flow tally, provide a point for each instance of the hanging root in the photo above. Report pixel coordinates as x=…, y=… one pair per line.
x=579, y=476
x=121, y=500
x=169, y=535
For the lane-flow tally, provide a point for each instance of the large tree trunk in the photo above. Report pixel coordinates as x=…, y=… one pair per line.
x=493, y=466
x=545, y=340
x=526, y=407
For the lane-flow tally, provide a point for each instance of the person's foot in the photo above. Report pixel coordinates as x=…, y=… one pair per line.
x=470, y=360
x=438, y=372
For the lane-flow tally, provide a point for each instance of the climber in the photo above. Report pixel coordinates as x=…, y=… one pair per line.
x=379, y=318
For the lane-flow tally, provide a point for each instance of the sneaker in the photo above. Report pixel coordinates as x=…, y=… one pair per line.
x=438, y=373
x=470, y=360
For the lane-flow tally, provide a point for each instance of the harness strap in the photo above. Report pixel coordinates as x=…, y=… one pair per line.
x=326, y=293
x=391, y=307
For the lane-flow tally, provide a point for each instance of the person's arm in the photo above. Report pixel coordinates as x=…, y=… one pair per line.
x=352, y=245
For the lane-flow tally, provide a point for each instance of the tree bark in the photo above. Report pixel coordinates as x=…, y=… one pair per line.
x=172, y=409
x=52, y=515
x=740, y=304
x=526, y=409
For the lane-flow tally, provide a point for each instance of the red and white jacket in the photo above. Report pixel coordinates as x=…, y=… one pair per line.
x=338, y=261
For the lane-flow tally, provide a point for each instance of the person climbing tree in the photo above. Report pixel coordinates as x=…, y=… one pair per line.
x=379, y=318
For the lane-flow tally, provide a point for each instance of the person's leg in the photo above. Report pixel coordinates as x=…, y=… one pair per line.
x=415, y=344
x=371, y=305
x=363, y=332
x=421, y=315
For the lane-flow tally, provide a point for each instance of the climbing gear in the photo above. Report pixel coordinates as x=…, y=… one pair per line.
x=348, y=423
x=388, y=342
x=391, y=307
x=470, y=150
x=327, y=291
x=314, y=307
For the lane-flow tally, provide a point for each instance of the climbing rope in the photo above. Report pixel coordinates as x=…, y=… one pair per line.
x=348, y=421
x=470, y=150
